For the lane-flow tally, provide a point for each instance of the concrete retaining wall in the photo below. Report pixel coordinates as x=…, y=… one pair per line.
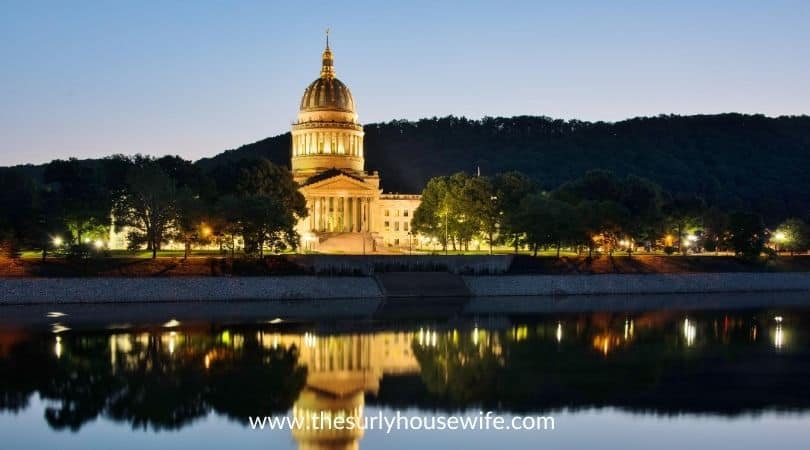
x=368, y=265
x=95, y=290
x=530, y=285
x=102, y=290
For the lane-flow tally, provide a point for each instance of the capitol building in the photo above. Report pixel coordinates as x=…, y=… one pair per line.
x=348, y=212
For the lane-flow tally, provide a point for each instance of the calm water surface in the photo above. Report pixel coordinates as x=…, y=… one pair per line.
x=623, y=379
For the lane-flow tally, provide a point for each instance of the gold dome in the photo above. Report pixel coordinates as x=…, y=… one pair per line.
x=327, y=133
x=327, y=92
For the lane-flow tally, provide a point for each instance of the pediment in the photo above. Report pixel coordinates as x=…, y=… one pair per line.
x=338, y=183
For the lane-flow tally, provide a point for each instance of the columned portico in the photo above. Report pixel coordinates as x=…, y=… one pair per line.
x=338, y=213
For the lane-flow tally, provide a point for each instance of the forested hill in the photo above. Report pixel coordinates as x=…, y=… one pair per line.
x=735, y=160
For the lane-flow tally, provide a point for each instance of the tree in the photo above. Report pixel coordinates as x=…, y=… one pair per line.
x=601, y=222
x=643, y=201
x=792, y=235
x=715, y=229
x=191, y=214
x=83, y=199
x=546, y=221
x=480, y=205
x=263, y=201
x=608, y=207
x=431, y=217
x=17, y=210
x=747, y=234
x=148, y=204
x=511, y=188
x=683, y=211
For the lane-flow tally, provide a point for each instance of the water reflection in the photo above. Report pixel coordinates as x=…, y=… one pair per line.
x=167, y=377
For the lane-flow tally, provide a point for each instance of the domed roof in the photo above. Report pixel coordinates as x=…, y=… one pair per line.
x=327, y=92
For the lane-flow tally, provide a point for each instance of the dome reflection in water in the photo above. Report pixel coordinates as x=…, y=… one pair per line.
x=729, y=364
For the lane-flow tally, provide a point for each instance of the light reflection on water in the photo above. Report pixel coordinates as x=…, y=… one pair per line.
x=642, y=375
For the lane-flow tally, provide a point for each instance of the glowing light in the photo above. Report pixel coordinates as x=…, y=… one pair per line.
x=780, y=236
x=310, y=339
x=58, y=328
x=171, y=324
x=689, y=332
x=559, y=332
x=98, y=244
x=276, y=320
x=205, y=230
x=172, y=342
x=778, y=337
x=57, y=241
x=778, y=319
x=207, y=362
x=433, y=340
x=57, y=349
x=55, y=314
x=475, y=336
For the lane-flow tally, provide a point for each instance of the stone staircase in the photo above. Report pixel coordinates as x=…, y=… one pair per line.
x=349, y=243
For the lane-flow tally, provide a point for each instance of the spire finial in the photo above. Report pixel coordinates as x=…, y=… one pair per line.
x=327, y=70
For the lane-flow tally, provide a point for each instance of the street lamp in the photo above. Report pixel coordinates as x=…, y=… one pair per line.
x=446, y=243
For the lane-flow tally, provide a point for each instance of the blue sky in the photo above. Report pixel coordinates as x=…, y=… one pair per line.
x=90, y=79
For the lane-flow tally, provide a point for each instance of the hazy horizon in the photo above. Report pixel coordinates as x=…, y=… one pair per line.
x=97, y=79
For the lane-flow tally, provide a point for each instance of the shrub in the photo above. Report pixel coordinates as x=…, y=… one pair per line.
x=669, y=249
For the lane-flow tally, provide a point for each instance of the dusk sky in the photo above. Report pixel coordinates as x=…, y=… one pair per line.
x=90, y=79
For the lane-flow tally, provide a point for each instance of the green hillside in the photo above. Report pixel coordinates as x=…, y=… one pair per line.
x=734, y=160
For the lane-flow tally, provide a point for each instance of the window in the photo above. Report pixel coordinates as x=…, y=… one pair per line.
x=404, y=226
x=387, y=213
x=387, y=225
x=396, y=241
x=405, y=213
x=396, y=226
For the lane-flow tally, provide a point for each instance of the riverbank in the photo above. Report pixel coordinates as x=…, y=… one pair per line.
x=395, y=284
x=358, y=265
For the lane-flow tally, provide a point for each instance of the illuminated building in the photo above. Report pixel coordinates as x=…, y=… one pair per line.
x=348, y=211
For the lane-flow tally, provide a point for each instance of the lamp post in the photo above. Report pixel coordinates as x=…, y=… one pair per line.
x=446, y=243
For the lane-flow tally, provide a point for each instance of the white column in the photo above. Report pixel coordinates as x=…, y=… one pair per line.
x=323, y=213
x=352, y=221
x=365, y=215
x=314, y=213
x=345, y=214
x=330, y=213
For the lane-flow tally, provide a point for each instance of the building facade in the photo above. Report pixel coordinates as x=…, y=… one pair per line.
x=348, y=212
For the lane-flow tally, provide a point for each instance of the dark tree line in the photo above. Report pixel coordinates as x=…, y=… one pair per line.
x=73, y=206
x=598, y=211
x=735, y=161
